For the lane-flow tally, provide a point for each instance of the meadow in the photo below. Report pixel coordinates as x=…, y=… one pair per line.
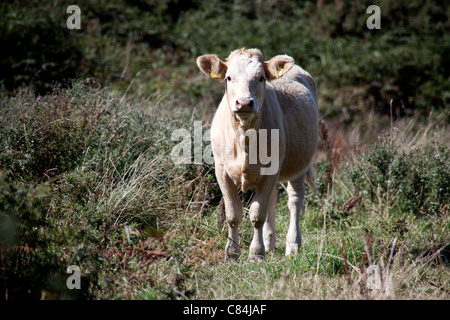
x=87, y=177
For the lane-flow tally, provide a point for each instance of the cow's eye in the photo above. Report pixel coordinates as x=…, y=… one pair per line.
x=262, y=78
x=228, y=78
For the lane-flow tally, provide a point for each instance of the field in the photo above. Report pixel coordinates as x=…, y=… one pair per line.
x=87, y=176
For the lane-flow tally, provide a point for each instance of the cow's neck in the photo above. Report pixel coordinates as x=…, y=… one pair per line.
x=243, y=131
x=243, y=128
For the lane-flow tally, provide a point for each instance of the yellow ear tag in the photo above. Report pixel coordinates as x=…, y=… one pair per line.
x=279, y=72
x=214, y=75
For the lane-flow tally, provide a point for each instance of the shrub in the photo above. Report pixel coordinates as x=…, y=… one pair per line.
x=45, y=136
x=113, y=188
x=33, y=247
x=416, y=183
x=156, y=44
x=37, y=47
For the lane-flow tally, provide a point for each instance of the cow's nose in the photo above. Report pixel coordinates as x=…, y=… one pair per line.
x=244, y=105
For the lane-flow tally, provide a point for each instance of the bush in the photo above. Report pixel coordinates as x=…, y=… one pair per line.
x=37, y=47
x=415, y=183
x=45, y=136
x=155, y=43
x=86, y=176
x=35, y=249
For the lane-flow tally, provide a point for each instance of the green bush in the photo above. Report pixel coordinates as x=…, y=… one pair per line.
x=415, y=183
x=35, y=248
x=45, y=136
x=38, y=49
x=155, y=45
x=113, y=185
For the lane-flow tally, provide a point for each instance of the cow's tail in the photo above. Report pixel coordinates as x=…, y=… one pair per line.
x=310, y=178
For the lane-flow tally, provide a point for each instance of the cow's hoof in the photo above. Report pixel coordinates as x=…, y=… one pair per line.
x=256, y=258
x=232, y=257
x=292, y=248
x=232, y=253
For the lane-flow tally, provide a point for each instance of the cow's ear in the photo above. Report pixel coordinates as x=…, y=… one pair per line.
x=212, y=66
x=277, y=66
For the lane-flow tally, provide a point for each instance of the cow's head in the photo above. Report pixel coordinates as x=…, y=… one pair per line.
x=245, y=73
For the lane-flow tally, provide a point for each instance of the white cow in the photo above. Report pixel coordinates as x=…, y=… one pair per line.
x=265, y=131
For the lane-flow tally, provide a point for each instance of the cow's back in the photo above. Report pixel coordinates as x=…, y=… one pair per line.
x=297, y=96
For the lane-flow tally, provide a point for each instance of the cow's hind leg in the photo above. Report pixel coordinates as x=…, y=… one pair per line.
x=296, y=194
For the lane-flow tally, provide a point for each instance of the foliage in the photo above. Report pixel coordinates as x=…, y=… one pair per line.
x=35, y=248
x=155, y=43
x=46, y=135
x=38, y=50
x=105, y=170
x=415, y=182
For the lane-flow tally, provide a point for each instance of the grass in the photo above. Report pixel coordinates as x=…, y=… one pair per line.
x=141, y=227
x=331, y=265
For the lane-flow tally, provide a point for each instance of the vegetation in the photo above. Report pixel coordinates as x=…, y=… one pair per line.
x=87, y=178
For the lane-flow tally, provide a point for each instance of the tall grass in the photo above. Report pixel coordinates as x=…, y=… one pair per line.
x=99, y=172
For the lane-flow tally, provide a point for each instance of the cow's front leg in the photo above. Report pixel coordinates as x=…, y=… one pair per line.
x=269, y=233
x=233, y=212
x=258, y=215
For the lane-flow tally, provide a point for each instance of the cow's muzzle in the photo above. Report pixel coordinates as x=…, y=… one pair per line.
x=245, y=105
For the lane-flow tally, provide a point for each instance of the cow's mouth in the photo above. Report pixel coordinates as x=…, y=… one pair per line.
x=244, y=118
x=244, y=115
